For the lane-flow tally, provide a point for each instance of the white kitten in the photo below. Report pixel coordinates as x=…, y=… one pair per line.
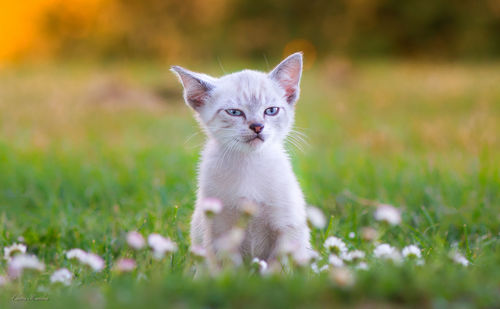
x=246, y=116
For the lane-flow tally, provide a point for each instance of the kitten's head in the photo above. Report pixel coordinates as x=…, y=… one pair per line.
x=245, y=110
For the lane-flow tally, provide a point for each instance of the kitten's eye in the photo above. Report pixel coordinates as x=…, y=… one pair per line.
x=234, y=112
x=272, y=111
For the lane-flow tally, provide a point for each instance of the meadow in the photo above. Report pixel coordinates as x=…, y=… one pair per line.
x=90, y=152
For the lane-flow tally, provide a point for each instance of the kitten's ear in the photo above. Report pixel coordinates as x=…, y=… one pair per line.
x=197, y=86
x=287, y=74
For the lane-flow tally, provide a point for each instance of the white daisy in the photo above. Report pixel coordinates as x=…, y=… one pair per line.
x=76, y=253
x=317, y=270
x=260, y=264
x=229, y=244
x=305, y=257
x=20, y=262
x=9, y=252
x=161, y=245
x=316, y=217
x=335, y=261
x=292, y=250
x=352, y=235
x=4, y=280
x=412, y=251
x=211, y=206
x=314, y=255
x=249, y=208
x=460, y=259
x=387, y=252
x=125, y=265
x=198, y=251
x=369, y=234
x=90, y=259
x=335, y=245
x=135, y=240
x=62, y=275
x=343, y=277
x=352, y=256
x=388, y=213
x=142, y=277
x=94, y=261
x=362, y=266
x=314, y=268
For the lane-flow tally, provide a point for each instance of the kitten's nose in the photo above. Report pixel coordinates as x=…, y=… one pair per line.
x=257, y=127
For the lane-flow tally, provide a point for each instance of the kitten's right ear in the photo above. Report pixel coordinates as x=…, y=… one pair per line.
x=287, y=74
x=197, y=86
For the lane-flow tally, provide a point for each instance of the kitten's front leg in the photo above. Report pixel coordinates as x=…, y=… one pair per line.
x=198, y=228
x=293, y=239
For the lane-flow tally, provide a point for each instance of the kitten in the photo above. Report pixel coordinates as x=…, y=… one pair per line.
x=246, y=117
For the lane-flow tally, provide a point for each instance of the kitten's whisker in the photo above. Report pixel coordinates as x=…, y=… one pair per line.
x=199, y=145
x=220, y=64
x=230, y=130
x=300, y=141
x=295, y=143
x=300, y=128
x=267, y=62
x=191, y=137
x=298, y=132
x=290, y=149
x=228, y=147
x=299, y=137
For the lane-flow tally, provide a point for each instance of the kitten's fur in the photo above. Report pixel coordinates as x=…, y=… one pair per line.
x=234, y=168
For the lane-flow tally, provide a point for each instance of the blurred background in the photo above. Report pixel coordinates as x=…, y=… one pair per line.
x=386, y=76
x=201, y=30
x=384, y=80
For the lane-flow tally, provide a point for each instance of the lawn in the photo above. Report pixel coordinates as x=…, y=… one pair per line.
x=90, y=152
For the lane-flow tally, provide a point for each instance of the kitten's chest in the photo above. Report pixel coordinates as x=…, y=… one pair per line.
x=260, y=180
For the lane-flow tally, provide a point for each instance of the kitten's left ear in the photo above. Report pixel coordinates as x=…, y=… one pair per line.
x=197, y=86
x=287, y=74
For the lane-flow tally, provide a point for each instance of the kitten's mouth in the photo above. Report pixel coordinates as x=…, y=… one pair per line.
x=255, y=139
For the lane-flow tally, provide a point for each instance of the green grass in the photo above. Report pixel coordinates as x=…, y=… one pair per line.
x=88, y=153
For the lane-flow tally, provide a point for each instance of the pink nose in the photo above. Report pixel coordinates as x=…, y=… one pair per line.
x=257, y=127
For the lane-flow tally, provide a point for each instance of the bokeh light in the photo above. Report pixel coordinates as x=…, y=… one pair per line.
x=304, y=46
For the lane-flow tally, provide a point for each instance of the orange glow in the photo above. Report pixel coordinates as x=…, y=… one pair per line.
x=304, y=46
x=20, y=22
